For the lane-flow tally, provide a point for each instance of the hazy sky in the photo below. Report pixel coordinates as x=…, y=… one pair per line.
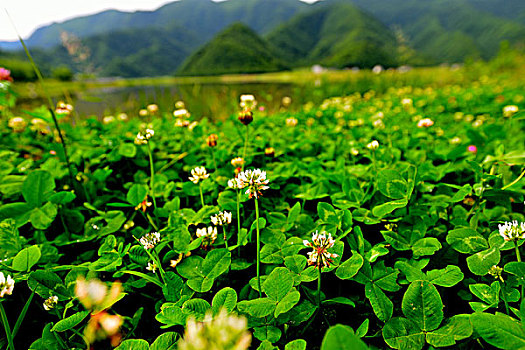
x=28, y=15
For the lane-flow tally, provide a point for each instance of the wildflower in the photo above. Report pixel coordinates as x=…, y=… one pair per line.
x=150, y=240
x=181, y=113
x=373, y=145
x=152, y=108
x=50, y=303
x=247, y=101
x=378, y=124
x=237, y=162
x=508, y=111
x=129, y=224
x=472, y=149
x=233, y=184
x=63, y=108
x=39, y=125
x=291, y=122
x=6, y=285
x=212, y=140
x=354, y=151
x=222, y=218
x=5, y=74
x=245, y=116
x=144, y=136
x=224, y=331
x=269, y=151
x=143, y=112
x=122, y=117
x=496, y=271
x=175, y=262
x=102, y=326
x=108, y=119
x=254, y=180
x=425, y=123
x=182, y=123
x=286, y=101
x=143, y=205
x=198, y=173
x=512, y=231
x=152, y=267
x=208, y=234
x=455, y=140
x=18, y=124
x=179, y=105
x=319, y=256
x=406, y=102
x=94, y=294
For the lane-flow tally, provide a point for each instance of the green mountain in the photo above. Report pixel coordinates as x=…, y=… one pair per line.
x=339, y=35
x=450, y=30
x=204, y=18
x=237, y=49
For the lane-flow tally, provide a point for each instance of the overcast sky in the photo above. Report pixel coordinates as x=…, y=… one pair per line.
x=28, y=15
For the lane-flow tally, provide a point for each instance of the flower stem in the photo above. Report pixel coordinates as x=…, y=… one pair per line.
x=152, y=180
x=245, y=147
x=515, y=181
x=213, y=158
x=238, y=213
x=202, y=197
x=225, y=238
x=258, y=247
x=319, y=288
x=518, y=256
x=5, y=322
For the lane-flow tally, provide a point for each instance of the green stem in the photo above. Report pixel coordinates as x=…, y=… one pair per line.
x=319, y=288
x=23, y=313
x=152, y=180
x=202, y=197
x=518, y=256
x=238, y=213
x=225, y=238
x=258, y=247
x=245, y=146
x=5, y=322
x=515, y=181
x=213, y=157
x=61, y=214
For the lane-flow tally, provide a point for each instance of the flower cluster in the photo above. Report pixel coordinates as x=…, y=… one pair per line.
x=425, y=123
x=224, y=331
x=18, y=124
x=510, y=110
x=5, y=74
x=144, y=136
x=291, y=122
x=373, y=145
x=63, y=108
x=512, y=231
x=152, y=267
x=222, y=218
x=104, y=326
x=198, y=173
x=150, y=240
x=208, y=234
x=234, y=184
x=50, y=302
x=212, y=140
x=6, y=285
x=254, y=180
x=144, y=205
x=94, y=294
x=319, y=256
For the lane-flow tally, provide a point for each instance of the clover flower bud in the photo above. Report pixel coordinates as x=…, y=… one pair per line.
x=212, y=140
x=245, y=116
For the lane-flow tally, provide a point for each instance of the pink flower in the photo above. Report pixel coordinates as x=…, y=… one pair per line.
x=5, y=74
x=472, y=149
x=425, y=123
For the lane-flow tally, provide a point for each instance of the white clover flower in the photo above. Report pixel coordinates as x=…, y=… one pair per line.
x=319, y=256
x=150, y=240
x=512, y=231
x=152, y=267
x=378, y=124
x=425, y=123
x=237, y=162
x=144, y=136
x=50, y=302
x=509, y=111
x=223, y=331
x=234, y=184
x=291, y=122
x=455, y=140
x=7, y=284
x=198, y=173
x=208, y=234
x=373, y=145
x=406, y=102
x=254, y=180
x=222, y=218
x=181, y=113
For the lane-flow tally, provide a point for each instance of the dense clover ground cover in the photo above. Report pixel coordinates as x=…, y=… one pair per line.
x=375, y=221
